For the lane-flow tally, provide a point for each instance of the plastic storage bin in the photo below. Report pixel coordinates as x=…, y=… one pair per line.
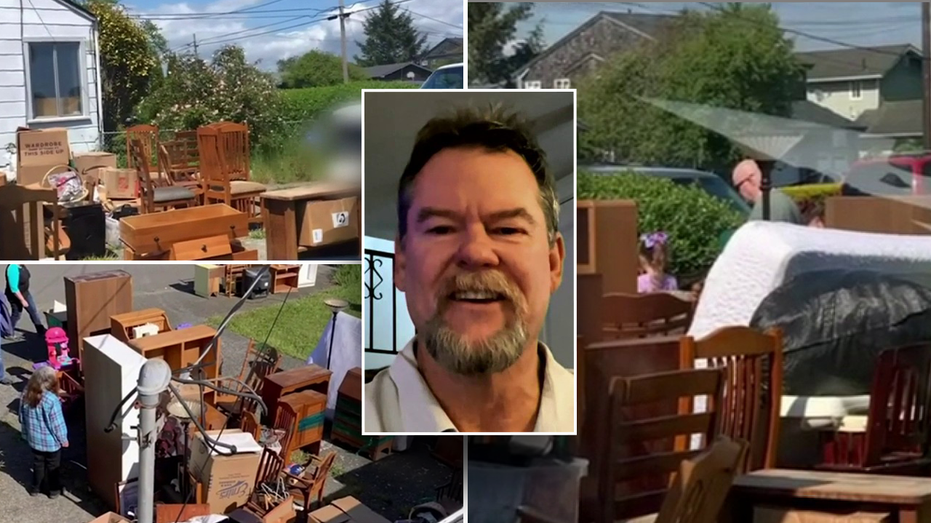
x=495, y=491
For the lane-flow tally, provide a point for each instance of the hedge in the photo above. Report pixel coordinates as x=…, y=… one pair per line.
x=694, y=219
x=301, y=105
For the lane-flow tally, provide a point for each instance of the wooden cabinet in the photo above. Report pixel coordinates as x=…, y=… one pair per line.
x=91, y=300
x=607, y=242
x=309, y=377
x=207, y=279
x=284, y=277
x=122, y=326
x=347, y=423
x=310, y=407
x=181, y=348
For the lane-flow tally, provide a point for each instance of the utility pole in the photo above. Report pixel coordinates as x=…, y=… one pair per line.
x=926, y=71
x=342, y=37
x=195, y=46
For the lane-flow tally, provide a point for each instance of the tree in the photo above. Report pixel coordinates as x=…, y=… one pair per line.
x=390, y=37
x=128, y=61
x=196, y=93
x=492, y=26
x=734, y=56
x=315, y=69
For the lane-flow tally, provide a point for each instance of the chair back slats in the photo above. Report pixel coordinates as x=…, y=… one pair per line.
x=751, y=405
x=635, y=441
x=148, y=138
x=899, y=403
x=640, y=315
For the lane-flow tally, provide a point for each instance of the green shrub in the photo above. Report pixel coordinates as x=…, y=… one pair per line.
x=348, y=276
x=694, y=219
x=301, y=105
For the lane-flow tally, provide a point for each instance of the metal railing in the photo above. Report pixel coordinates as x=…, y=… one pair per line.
x=372, y=281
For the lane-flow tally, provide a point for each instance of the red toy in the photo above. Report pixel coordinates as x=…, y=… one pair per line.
x=57, y=341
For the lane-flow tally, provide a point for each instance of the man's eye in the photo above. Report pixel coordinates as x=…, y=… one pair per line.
x=440, y=229
x=508, y=231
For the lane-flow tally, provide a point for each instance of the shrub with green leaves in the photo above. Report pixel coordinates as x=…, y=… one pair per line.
x=301, y=105
x=694, y=219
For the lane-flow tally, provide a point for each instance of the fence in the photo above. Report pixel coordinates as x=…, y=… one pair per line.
x=376, y=293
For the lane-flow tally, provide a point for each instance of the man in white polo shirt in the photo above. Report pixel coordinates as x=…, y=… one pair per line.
x=478, y=256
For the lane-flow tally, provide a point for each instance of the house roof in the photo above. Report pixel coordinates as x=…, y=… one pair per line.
x=854, y=63
x=78, y=7
x=433, y=52
x=647, y=24
x=812, y=112
x=894, y=118
x=381, y=71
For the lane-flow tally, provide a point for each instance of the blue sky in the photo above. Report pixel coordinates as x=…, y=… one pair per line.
x=858, y=23
x=270, y=30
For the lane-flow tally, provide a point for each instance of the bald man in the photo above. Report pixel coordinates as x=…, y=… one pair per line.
x=747, y=178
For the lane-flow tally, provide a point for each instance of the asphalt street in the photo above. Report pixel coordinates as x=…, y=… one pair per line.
x=165, y=286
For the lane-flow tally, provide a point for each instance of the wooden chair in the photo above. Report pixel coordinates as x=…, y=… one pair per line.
x=641, y=315
x=310, y=484
x=250, y=424
x=625, y=460
x=225, y=168
x=154, y=196
x=752, y=402
x=286, y=423
x=893, y=438
x=174, y=162
x=148, y=136
x=256, y=365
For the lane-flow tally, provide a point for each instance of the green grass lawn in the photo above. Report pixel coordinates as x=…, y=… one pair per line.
x=302, y=320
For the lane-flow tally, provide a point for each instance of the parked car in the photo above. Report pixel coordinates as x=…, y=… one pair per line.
x=447, y=77
x=709, y=182
x=896, y=175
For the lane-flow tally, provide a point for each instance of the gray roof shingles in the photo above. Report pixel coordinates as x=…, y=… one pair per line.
x=847, y=63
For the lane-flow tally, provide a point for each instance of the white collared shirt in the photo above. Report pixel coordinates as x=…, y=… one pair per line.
x=399, y=400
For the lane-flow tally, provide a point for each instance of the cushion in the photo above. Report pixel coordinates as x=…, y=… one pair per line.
x=171, y=194
x=238, y=187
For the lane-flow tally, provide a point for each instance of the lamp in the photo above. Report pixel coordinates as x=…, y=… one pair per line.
x=335, y=305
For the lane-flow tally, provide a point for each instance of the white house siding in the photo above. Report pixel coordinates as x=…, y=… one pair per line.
x=45, y=20
x=836, y=97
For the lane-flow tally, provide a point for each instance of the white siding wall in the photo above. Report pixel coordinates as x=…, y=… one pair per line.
x=44, y=20
x=836, y=97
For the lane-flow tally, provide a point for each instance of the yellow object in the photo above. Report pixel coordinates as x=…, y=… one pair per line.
x=207, y=280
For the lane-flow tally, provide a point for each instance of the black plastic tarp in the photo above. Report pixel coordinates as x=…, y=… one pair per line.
x=836, y=322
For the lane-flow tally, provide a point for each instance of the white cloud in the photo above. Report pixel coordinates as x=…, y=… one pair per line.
x=289, y=38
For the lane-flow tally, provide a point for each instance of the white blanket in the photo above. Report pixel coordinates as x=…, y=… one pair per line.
x=347, y=353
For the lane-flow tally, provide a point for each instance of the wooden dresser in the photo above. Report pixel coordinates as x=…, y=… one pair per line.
x=310, y=407
x=91, y=300
x=308, y=377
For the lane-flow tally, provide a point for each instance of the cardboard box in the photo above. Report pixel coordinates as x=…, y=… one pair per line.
x=110, y=517
x=38, y=151
x=120, y=183
x=228, y=480
x=85, y=163
x=325, y=222
x=788, y=515
x=345, y=510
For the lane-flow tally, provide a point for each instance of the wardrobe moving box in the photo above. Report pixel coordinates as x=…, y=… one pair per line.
x=325, y=222
x=37, y=151
x=345, y=510
x=229, y=479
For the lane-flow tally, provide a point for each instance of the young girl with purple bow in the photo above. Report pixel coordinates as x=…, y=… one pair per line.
x=653, y=257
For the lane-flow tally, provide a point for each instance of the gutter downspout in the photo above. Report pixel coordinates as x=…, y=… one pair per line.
x=95, y=29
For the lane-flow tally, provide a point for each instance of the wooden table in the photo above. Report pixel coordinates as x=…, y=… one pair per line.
x=308, y=377
x=283, y=208
x=906, y=498
x=22, y=219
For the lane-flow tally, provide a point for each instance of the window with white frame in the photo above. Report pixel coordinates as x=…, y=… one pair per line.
x=533, y=84
x=856, y=90
x=56, y=75
x=562, y=83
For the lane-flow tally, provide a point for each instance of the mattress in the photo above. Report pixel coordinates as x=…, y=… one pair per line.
x=760, y=256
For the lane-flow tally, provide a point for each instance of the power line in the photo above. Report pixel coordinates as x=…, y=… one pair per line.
x=152, y=16
x=434, y=19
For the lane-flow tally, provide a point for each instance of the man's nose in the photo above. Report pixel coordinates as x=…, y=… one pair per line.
x=476, y=249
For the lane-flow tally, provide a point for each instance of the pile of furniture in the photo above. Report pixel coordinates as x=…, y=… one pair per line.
x=347, y=422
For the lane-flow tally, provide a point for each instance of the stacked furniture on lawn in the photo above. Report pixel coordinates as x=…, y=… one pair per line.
x=225, y=168
x=347, y=423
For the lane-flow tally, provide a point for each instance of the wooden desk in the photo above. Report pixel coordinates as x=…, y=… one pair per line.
x=284, y=210
x=22, y=220
x=122, y=325
x=907, y=498
x=309, y=377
